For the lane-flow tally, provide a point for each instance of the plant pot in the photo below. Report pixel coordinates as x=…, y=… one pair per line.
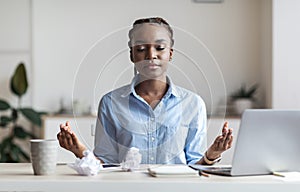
x=240, y=105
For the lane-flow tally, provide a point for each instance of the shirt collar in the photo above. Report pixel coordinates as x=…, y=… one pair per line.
x=130, y=89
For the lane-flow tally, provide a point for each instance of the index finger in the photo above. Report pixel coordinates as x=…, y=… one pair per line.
x=225, y=128
x=68, y=123
x=65, y=127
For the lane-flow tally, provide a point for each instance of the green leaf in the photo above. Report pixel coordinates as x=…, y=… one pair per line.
x=14, y=153
x=4, y=120
x=252, y=90
x=5, y=148
x=19, y=83
x=6, y=142
x=32, y=116
x=19, y=132
x=4, y=157
x=10, y=152
x=4, y=105
x=242, y=92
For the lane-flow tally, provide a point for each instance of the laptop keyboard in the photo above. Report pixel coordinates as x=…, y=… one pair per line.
x=219, y=169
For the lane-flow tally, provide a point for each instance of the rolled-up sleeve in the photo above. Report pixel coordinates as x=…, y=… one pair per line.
x=106, y=147
x=196, y=141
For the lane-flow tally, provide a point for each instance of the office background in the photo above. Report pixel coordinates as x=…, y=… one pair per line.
x=53, y=37
x=252, y=41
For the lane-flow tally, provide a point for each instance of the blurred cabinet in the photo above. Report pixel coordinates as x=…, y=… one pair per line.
x=83, y=127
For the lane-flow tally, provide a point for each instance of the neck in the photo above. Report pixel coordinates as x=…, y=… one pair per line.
x=152, y=90
x=146, y=85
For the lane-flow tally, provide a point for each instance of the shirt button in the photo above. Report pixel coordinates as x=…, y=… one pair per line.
x=152, y=138
x=151, y=158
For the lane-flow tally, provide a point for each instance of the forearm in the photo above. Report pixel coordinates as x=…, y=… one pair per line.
x=201, y=162
x=81, y=152
x=208, y=160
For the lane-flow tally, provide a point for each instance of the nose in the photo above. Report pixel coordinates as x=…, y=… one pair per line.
x=151, y=53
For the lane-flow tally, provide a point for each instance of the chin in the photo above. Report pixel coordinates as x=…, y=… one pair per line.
x=153, y=76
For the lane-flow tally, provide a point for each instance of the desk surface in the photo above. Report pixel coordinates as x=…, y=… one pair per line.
x=19, y=177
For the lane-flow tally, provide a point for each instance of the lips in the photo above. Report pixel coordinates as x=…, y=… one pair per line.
x=150, y=64
x=153, y=66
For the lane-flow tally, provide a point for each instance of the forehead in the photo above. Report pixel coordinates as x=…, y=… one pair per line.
x=150, y=33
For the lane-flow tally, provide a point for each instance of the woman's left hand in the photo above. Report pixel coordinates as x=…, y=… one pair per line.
x=221, y=143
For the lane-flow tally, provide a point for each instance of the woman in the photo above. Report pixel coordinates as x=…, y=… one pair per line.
x=165, y=122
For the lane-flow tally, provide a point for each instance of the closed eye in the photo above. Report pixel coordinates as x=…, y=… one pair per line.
x=160, y=48
x=140, y=48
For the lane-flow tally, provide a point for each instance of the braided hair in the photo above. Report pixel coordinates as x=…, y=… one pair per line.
x=155, y=20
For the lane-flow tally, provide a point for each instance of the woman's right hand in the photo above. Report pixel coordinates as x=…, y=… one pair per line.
x=68, y=140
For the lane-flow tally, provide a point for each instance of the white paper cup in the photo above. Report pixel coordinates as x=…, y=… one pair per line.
x=43, y=156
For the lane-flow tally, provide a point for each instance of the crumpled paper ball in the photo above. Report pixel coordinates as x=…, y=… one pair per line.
x=132, y=160
x=88, y=165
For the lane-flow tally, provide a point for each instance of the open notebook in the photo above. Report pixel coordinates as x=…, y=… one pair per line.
x=172, y=171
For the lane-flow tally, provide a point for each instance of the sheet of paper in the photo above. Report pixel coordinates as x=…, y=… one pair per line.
x=288, y=176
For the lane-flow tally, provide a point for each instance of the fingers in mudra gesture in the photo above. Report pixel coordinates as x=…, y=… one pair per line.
x=221, y=143
x=68, y=140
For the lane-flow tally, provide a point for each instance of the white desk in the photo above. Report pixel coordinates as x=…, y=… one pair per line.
x=19, y=177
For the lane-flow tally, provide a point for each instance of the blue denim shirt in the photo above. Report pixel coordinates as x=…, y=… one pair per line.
x=174, y=132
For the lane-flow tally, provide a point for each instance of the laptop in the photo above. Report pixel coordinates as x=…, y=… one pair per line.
x=268, y=141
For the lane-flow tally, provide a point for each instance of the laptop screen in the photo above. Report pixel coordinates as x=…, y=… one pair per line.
x=268, y=141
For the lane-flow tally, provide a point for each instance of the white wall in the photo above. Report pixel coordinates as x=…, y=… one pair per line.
x=64, y=31
x=286, y=60
x=15, y=45
x=53, y=36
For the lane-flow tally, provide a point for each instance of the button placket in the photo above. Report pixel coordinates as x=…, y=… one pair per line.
x=151, y=139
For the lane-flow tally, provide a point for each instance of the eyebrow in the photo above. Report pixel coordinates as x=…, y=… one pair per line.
x=144, y=42
x=160, y=41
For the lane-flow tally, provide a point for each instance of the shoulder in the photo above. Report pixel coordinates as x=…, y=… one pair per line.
x=121, y=91
x=189, y=96
x=116, y=94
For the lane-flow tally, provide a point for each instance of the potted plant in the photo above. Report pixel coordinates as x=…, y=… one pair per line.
x=243, y=98
x=10, y=151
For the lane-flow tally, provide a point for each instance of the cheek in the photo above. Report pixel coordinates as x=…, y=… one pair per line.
x=136, y=57
x=166, y=56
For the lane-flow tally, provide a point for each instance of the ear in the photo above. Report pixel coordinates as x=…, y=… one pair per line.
x=171, y=54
